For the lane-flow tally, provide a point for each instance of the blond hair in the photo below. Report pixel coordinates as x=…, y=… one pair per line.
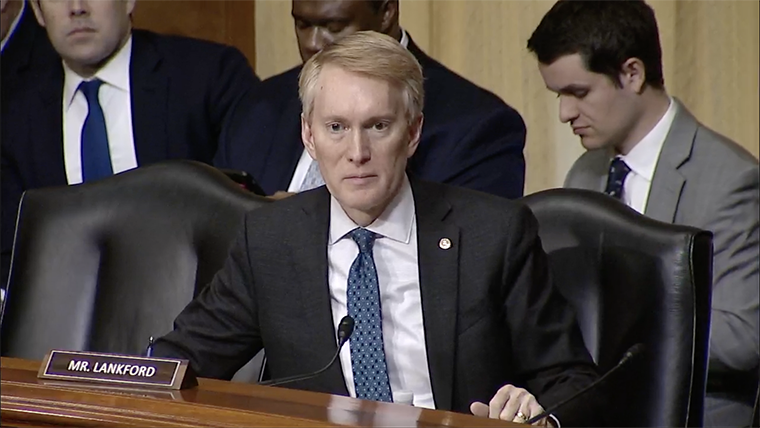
x=370, y=54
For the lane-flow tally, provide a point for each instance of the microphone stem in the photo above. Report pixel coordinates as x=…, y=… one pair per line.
x=296, y=378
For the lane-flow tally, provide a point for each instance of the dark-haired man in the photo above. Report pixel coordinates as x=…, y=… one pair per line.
x=603, y=59
x=470, y=137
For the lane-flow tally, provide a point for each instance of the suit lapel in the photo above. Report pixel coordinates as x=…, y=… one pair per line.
x=46, y=142
x=312, y=274
x=149, y=96
x=668, y=182
x=439, y=282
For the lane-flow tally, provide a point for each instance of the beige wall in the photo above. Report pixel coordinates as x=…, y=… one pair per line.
x=710, y=55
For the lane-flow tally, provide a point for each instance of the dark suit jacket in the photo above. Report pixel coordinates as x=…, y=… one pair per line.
x=27, y=50
x=491, y=315
x=470, y=137
x=182, y=90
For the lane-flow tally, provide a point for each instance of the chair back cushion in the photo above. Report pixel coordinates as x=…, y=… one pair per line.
x=631, y=280
x=103, y=266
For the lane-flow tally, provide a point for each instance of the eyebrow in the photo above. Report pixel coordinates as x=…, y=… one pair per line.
x=322, y=22
x=570, y=89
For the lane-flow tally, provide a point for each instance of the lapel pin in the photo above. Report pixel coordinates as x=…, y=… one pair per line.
x=444, y=243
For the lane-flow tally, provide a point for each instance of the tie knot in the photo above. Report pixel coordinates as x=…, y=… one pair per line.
x=90, y=89
x=363, y=238
x=619, y=169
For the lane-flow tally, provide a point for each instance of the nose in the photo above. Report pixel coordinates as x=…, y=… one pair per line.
x=315, y=40
x=78, y=7
x=359, y=151
x=568, y=109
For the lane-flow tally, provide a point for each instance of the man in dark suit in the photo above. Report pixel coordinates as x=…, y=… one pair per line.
x=603, y=59
x=118, y=100
x=448, y=287
x=471, y=138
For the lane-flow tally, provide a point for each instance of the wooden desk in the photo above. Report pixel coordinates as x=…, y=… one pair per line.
x=27, y=401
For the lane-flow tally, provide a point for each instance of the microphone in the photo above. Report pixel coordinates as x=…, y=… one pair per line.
x=630, y=354
x=345, y=328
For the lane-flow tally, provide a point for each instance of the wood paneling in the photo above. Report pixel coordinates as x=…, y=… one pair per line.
x=231, y=22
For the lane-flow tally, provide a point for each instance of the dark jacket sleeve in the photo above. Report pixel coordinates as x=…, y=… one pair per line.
x=547, y=344
x=235, y=78
x=218, y=331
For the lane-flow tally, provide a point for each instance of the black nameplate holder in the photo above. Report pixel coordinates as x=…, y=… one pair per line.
x=116, y=369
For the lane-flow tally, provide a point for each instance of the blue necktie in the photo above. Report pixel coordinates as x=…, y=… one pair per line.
x=367, y=351
x=96, y=158
x=616, y=178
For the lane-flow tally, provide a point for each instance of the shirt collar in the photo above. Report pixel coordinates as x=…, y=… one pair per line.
x=14, y=25
x=115, y=73
x=642, y=159
x=394, y=223
x=404, y=39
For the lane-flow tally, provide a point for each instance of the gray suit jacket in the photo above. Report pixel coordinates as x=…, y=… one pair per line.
x=491, y=315
x=705, y=180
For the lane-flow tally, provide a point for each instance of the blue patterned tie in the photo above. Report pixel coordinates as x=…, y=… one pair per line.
x=367, y=351
x=616, y=178
x=96, y=157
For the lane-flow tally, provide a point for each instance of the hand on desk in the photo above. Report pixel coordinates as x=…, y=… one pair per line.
x=278, y=195
x=512, y=404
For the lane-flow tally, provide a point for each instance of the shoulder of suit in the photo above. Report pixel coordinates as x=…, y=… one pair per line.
x=173, y=46
x=711, y=145
x=288, y=78
x=463, y=92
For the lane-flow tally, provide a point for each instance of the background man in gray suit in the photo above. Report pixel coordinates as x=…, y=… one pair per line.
x=603, y=59
x=449, y=287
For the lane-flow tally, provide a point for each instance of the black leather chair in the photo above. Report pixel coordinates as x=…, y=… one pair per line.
x=633, y=280
x=103, y=266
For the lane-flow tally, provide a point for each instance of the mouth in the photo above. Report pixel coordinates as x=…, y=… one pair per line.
x=360, y=178
x=578, y=130
x=81, y=30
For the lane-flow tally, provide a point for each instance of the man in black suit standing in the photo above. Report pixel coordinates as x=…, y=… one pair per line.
x=449, y=288
x=471, y=138
x=119, y=99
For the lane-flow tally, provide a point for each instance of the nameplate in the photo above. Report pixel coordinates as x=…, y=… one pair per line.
x=116, y=369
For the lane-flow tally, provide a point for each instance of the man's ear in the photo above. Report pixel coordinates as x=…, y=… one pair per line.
x=36, y=7
x=307, y=137
x=389, y=9
x=415, y=133
x=130, y=6
x=633, y=75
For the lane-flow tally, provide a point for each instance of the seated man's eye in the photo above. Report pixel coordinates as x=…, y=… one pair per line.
x=380, y=126
x=335, y=127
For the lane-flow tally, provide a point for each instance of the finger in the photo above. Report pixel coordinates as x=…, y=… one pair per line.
x=510, y=409
x=534, y=409
x=479, y=409
x=523, y=412
x=497, y=403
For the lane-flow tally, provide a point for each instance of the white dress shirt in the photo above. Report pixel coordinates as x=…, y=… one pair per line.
x=395, y=255
x=115, y=100
x=305, y=161
x=14, y=24
x=642, y=160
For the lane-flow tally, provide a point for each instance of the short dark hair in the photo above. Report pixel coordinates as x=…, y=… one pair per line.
x=604, y=33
